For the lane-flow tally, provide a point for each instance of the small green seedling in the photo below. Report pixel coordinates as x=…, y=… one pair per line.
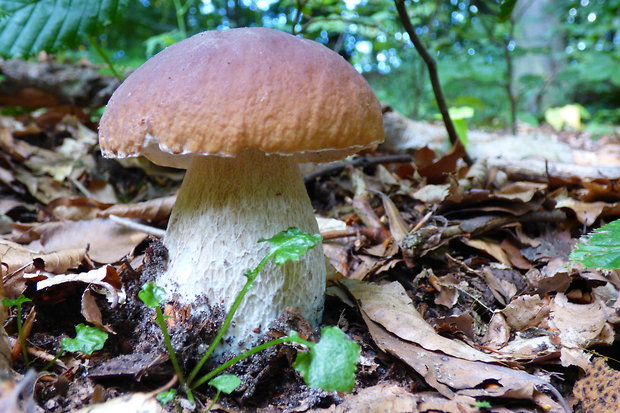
x=87, y=340
x=166, y=397
x=600, y=249
x=330, y=364
x=17, y=302
x=224, y=383
x=152, y=296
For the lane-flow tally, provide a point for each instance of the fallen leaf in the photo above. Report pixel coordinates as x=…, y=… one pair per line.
x=451, y=375
x=107, y=241
x=490, y=247
x=389, y=305
x=157, y=209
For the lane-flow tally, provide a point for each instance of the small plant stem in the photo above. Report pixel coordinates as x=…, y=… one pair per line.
x=180, y=13
x=173, y=358
x=51, y=363
x=105, y=58
x=248, y=353
x=20, y=334
x=217, y=396
x=251, y=276
x=433, y=74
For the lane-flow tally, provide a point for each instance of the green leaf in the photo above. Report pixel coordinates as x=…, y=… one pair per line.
x=87, y=340
x=600, y=249
x=10, y=302
x=291, y=244
x=151, y=294
x=226, y=383
x=51, y=25
x=505, y=10
x=167, y=396
x=331, y=363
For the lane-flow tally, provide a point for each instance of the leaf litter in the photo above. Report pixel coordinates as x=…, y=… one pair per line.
x=454, y=281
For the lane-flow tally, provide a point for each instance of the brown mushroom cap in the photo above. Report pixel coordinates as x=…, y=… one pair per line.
x=220, y=92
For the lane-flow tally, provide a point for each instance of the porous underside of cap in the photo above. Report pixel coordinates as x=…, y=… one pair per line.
x=222, y=92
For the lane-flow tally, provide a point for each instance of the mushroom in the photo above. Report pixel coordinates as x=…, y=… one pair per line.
x=239, y=109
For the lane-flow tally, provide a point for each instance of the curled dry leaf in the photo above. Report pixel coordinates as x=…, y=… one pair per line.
x=490, y=247
x=15, y=257
x=106, y=277
x=157, y=209
x=390, y=306
x=91, y=312
x=580, y=326
x=452, y=375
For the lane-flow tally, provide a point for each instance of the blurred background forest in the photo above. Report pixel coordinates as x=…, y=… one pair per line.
x=498, y=68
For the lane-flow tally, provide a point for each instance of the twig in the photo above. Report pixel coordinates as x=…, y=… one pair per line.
x=363, y=161
x=434, y=76
x=128, y=223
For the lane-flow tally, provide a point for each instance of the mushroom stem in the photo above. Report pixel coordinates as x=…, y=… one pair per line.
x=223, y=207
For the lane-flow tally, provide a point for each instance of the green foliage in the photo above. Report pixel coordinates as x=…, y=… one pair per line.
x=151, y=294
x=166, y=397
x=226, y=383
x=30, y=26
x=600, y=249
x=331, y=363
x=17, y=302
x=87, y=340
x=506, y=9
x=290, y=245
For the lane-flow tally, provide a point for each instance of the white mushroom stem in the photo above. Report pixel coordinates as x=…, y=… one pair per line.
x=224, y=206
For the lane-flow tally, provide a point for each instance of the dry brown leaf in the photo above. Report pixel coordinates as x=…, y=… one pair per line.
x=450, y=375
x=580, y=326
x=390, y=306
x=75, y=209
x=552, y=277
x=107, y=241
x=497, y=334
x=525, y=311
x=154, y=210
x=448, y=293
x=106, y=277
x=377, y=399
x=514, y=255
x=586, y=212
x=398, y=226
x=91, y=312
x=490, y=247
x=502, y=290
x=16, y=257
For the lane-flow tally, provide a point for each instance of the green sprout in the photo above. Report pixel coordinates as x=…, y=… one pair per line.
x=17, y=302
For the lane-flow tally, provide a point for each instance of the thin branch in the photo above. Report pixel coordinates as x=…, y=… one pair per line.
x=339, y=166
x=434, y=76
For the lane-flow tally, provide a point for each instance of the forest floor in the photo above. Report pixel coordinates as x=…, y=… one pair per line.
x=455, y=281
